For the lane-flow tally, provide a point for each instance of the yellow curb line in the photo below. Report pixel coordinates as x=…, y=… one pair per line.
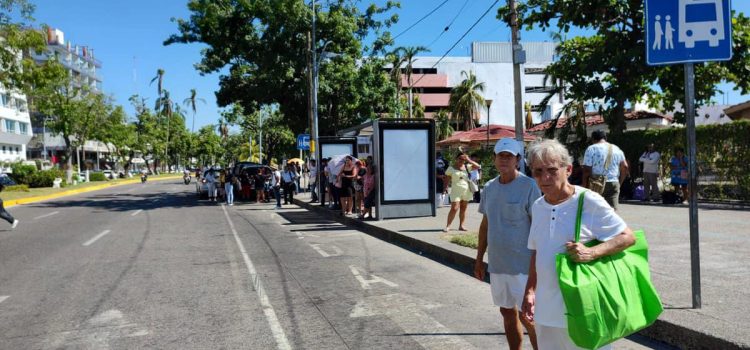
x=28, y=200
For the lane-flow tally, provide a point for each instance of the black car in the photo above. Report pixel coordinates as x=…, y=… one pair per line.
x=6, y=180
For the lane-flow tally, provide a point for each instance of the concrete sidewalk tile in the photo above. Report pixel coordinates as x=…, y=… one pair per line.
x=725, y=241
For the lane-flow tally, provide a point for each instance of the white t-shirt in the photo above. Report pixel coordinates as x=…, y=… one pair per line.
x=551, y=227
x=276, y=178
x=595, y=157
x=650, y=162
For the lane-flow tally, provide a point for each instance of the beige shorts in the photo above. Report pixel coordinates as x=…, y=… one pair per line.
x=507, y=290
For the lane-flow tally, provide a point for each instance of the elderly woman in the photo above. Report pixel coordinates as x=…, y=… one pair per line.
x=458, y=176
x=552, y=232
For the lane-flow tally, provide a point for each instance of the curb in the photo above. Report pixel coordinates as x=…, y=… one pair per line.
x=662, y=331
x=20, y=201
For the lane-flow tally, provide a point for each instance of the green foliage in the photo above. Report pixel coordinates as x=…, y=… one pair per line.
x=609, y=62
x=466, y=101
x=16, y=39
x=443, y=127
x=470, y=240
x=97, y=176
x=722, y=155
x=261, y=49
x=22, y=173
x=17, y=188
x=45, y=178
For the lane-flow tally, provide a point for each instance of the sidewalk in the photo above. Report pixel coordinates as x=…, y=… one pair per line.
x=725, y=273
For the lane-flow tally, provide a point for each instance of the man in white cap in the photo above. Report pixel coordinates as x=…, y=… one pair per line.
x=506, y=207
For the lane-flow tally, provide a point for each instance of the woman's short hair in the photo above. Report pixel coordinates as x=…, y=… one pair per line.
x=549, y=150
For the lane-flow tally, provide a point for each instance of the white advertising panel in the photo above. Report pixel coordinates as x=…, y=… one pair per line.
x=335, y=149
x=406, y=165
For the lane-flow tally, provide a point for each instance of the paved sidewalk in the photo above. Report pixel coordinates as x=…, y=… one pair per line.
x=725, y=272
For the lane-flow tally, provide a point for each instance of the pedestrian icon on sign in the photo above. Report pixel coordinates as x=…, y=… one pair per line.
x=667, y=33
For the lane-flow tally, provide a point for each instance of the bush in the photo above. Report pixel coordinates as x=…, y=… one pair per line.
x=17, y=188
x=45, y=178
x=22, y=173
x=99, y=176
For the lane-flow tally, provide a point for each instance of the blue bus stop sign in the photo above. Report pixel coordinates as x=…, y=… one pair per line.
x=303, y=142
x=684, y=31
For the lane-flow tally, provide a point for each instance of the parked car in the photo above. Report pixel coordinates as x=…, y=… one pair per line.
x=5, y=180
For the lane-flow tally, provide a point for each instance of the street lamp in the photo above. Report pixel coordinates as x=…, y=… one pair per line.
x=489, y=103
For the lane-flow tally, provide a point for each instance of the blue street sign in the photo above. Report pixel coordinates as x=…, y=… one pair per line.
x=303, y=142
x=683, y=31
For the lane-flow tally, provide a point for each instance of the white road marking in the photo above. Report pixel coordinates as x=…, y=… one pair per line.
x=408, y=313
x=273, y=321
x=3, y=297
x=91, y=241
x=46, y=215
x=337, y=250
x=373, y=279
x=136, y=212
x=98, y=332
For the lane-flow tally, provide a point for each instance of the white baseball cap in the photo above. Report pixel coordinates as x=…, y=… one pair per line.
x=508, y=145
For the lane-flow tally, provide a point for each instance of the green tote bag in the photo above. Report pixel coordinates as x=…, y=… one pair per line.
x=608, y=298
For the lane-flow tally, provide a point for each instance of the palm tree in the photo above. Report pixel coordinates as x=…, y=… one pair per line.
x=190, y=102
x=396, y=61
x=160, y=77
x=408, y=55
x=164, y=106
x=466, y=101
x=443, y=127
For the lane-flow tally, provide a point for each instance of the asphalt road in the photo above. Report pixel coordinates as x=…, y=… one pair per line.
x=150, y=266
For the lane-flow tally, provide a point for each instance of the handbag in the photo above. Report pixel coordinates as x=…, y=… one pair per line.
x=597, y=182
x=473, y=187
x=608, y=298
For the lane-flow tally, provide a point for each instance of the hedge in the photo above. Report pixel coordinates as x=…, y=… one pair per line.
x=22, y=173
x=17, y=188
x=45, y=178
x=723, y=155
x=97, y=176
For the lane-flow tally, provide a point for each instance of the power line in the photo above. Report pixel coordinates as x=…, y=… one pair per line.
x=459, y=39
x=421, y=19
x=449, y=24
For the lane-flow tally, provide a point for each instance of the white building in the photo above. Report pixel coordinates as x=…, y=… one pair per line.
x=492, y=64
x=15, y=126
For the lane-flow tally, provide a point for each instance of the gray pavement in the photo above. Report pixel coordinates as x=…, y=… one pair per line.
x=724, y=243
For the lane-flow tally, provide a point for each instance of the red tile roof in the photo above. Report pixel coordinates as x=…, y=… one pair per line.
x=478, y=135
x=595, y=119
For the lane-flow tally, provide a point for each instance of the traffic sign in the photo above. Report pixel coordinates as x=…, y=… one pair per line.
x=303, y=142
x=683, y=31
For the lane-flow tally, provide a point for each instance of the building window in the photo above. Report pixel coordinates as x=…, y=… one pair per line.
x=10, y=126
x=365, y=148
x=6, y=99
x=3, y=149
x=22, y=106
x=24, y=128
x=17, y=152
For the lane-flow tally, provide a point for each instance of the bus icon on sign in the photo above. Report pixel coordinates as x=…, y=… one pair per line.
x=701, y=20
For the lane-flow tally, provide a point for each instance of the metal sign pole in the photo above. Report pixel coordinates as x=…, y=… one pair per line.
x=695, y=266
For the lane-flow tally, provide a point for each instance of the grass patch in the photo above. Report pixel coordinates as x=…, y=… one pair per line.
x=34, y=192
x=469, y=239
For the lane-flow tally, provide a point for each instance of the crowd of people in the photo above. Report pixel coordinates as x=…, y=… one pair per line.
x=350, y=189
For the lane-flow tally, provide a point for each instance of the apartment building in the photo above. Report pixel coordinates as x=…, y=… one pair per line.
x=15, y=126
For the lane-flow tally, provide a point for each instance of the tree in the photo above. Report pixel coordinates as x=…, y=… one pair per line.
x=610, y=64
x=443, y=127
x=466, y=101
x=408, y=55
x=260, y=50
x=15, y=39
x=159, y=78
x=208, y=145
x=119, y=136
x=190, y=102
x=149, y=137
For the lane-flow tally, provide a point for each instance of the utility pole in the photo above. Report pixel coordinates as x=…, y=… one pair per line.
x=519, y=58
x=260, y=137
x=313, y=46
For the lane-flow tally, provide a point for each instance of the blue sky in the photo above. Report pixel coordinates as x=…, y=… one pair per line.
x=127, y=38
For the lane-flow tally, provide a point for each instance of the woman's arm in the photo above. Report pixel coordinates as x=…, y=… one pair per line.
x=580, y=253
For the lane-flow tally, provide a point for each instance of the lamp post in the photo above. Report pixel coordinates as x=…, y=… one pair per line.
x=489, y=103
x=260, y=137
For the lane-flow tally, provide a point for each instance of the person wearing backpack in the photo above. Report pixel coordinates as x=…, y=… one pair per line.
x=5, y=214
x=604, y=168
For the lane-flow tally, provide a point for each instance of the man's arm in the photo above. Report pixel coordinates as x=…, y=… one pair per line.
x=529, y=295
x=580, y=253
x=624, y=170
x=479, y=270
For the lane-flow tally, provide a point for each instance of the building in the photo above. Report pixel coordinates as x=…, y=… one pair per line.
x=83, y=68
x=15, y=126
x=634, y=120
x=492, y=63
x=738, y=111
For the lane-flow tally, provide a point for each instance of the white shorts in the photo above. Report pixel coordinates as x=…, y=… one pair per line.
x=507, y=290
x=555, y=338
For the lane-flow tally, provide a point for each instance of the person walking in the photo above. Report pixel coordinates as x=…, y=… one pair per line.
x=211, y=184
x=230, y=181
x=5, y=214
x=458, y=176
x=369, y=191
x=276, y=184
x=324, y=190
x=259, y=182
x=553, y=222
x=650, y=160
x=289, y=180
x=313, y=169
x=604, y=168
x=476, y=177
x=504, y=233
x=679, y=171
